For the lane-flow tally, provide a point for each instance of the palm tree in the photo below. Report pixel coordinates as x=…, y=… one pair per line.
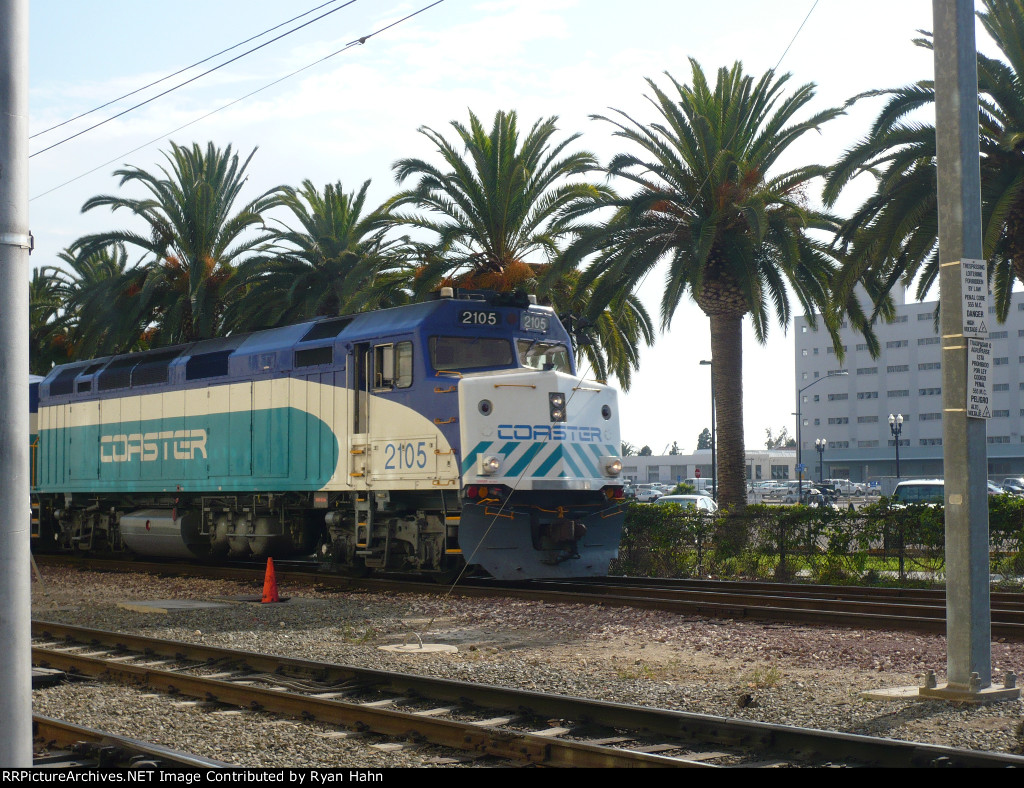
x=330, y=264
x=610, y=341
x=194, y=239
x=894, y=233
x=46, y=335
x=496, y=211
x=101, y=313
x=734, y=233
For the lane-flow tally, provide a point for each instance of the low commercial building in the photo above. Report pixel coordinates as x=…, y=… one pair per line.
x=762, y=464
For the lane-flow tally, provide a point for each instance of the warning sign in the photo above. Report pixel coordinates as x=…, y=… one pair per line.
x=974, y=292
x=979, y=379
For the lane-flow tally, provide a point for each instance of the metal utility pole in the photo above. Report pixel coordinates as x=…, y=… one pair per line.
x=15, y=558
x=964, y=349
x=714, y=436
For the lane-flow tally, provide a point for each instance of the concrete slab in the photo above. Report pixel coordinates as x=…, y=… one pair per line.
x=420, y=648
x=168, y=605
x=892, y=693
x=257, y=598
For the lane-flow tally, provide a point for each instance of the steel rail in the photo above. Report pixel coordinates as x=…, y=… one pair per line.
x=108, y=749
x=687, y=728
x=817, y=610
x=528, y=748
x=1007, y=599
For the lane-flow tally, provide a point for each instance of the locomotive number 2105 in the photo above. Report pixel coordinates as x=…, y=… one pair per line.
x=402, y=456
x=477, y=317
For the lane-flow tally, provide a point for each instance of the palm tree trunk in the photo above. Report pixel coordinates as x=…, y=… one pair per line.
x=727, y=356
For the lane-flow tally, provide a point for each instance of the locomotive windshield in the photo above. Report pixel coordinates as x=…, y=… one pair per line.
x=544, y=355
x=470, y=352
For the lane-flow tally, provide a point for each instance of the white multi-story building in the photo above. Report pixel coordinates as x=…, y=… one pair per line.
x=850, y=412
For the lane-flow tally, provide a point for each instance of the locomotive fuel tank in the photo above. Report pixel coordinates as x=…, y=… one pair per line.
x=165, y=533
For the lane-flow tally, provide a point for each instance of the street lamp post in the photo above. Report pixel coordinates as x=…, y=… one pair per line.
x=714, y=458
x=896, y=427
x=799, y=424
x=819, y=444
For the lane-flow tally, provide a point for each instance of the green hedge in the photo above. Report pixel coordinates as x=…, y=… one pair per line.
x=877, y=543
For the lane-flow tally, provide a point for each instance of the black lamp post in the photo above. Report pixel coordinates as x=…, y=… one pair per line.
x=714, y=459
x=896, y=427
x=799, y=423
x=819, y=444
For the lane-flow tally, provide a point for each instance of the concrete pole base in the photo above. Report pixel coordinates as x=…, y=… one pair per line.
x=956, y=693
x=961, y=694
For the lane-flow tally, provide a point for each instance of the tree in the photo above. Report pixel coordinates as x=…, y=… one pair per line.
x=194, y=238
x=101, y=312
x=736, y=233
x=627, y=449
x=894, y=233
x=500, y=203
x=46, y=335
x=645, y=451
x=326, y=266
x=704, y=439
x=675, y=450
x=779, y=441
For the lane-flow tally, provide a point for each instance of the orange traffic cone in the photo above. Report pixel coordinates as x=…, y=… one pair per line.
x=270, y=584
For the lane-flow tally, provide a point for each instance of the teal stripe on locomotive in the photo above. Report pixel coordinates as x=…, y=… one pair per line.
x=277, y=449
x=543, y=457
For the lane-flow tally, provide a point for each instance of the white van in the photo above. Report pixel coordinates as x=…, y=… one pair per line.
x=927, y=491
x=700, y=485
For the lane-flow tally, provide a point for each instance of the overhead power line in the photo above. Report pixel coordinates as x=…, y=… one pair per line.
x=350, y=45
x=193, y=79
x=181, y=70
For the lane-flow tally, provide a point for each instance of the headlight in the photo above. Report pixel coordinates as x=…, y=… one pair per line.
x=489, y=465
x=612, y=466
x=556, y=406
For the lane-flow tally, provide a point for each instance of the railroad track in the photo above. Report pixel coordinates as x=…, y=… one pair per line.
x=919, y=610
x=479, y=720
x=61, y=745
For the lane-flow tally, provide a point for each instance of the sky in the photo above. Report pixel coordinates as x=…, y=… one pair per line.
x=352, y=116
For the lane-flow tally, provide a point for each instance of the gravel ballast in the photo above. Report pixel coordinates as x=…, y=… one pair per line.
x=796, y=675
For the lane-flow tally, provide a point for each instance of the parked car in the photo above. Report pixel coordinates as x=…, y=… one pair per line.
x=810, y=494
x=846, y=487
x=700, y=484
x=648, y=493
x=926, y=491
x=828, y=489
x=1014, y=485
x=703, y=503
x=995, y=489
x=771, y=488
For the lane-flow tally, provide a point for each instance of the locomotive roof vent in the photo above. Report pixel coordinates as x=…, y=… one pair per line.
x=447, y=292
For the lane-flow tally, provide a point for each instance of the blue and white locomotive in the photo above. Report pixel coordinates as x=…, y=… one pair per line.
x=417, y=438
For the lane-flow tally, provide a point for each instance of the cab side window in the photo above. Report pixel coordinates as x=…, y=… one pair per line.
x=403, y=365
x=392, y=366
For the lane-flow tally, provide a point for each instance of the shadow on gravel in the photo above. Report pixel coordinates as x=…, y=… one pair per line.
x=913, y=711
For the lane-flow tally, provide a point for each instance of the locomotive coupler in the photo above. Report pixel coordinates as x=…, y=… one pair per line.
x=562, y=535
